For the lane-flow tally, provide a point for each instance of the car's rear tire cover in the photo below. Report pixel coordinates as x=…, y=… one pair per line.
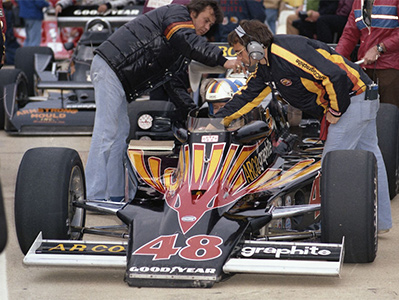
x=24, y=60
x=388, y=140
x=8, y=76
x=48, y=180
x=348, y=203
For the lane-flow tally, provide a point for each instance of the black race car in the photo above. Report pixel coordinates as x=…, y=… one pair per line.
x=251, y=198
x=44, y=96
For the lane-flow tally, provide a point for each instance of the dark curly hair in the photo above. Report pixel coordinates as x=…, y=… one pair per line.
x=199, y=6
x=255, y=31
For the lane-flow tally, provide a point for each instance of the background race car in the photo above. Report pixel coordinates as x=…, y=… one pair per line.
x=43, y=95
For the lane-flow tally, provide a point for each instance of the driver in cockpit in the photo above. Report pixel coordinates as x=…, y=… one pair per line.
x=218, y=91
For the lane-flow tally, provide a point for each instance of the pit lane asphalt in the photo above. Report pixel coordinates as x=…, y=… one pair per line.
x=378, y=280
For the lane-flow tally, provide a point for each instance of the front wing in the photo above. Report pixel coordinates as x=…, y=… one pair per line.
x=263, y=257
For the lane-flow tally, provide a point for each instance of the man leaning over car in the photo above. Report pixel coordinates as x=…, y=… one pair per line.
x=314, y=78
x=141, y=55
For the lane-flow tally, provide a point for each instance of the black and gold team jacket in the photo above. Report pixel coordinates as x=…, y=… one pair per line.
x=309, y=74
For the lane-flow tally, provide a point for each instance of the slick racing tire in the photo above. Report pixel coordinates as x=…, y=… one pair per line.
x=349, y=203
x=388, y=140
x=7, y=108
x=25, y=61
x=49, y=181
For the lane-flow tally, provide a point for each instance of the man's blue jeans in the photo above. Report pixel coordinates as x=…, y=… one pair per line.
x=105, y=173
x=33, y=32
x=356, y=129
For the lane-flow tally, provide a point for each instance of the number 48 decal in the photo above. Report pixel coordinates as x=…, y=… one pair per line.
x=199, y=247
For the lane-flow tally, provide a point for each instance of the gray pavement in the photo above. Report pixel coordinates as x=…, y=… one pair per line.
x=378, y=280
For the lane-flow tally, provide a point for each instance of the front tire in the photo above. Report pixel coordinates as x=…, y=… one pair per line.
x=49, y=182
x=349, y=203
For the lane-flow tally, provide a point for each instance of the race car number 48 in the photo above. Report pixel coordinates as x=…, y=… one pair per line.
x=199, y=248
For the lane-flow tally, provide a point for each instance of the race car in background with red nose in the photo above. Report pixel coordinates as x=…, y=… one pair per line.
x=251, y=198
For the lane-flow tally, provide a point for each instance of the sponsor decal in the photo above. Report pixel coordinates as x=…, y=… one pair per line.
x=188, y=219
x=209, y=139
x=172, y=270
x=47, y=111
x=108, y=13
x=256, y=165
x=47, y=115
x=285, y=252
x=286, y=81
x=82, y=248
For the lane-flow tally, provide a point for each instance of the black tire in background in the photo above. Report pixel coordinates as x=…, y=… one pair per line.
x=48, y=181
x=8, y=76
x=3, y=223
x=388, y=140
x=349, y=203
x=24, y=60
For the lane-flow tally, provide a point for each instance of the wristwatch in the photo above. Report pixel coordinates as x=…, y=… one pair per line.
x=380, y=48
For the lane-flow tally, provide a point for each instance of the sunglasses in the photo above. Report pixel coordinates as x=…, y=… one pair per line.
x=239, y=52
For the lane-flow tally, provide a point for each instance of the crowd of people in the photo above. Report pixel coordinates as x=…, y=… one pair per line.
x=176, y=32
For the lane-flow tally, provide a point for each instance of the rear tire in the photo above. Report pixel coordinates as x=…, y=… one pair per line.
x=25, y=61
x=388, y=141
x=49, y=180
x=9, y=76
x=349, y=203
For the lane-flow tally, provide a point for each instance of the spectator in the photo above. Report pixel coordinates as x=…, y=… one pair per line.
x=311, y=5
x=141, y=55
x=271, y=9
x=376, y=28
x=236, y=10
x=32, y=13
x=3, y=28
x=330, y=26
x=103, y=6
x=11, y=42
x=307, y=24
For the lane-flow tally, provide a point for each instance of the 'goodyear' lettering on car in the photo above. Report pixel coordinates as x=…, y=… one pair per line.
x=111, y=12
x=171, y=270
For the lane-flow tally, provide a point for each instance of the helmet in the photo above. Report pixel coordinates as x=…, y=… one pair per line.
x=221, y=90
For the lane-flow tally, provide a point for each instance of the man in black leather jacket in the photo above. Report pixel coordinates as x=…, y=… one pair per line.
x=141, y=55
